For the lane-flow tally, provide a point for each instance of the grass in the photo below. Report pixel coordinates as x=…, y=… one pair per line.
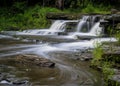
x=106, y=64
x=117, y=35
x=96, y=9
x=90, y=8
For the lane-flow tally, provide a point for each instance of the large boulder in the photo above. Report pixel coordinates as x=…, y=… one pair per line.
x=113, y=18
x=27, y=60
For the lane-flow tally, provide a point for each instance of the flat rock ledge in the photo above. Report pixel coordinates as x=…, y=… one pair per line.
x=27, y=60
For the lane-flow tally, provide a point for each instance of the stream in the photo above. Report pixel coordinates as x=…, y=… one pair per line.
x=68, y=71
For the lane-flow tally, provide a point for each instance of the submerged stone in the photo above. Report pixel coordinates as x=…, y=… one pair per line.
x=20, y=82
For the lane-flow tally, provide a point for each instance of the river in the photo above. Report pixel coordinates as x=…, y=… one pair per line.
x=68, y=71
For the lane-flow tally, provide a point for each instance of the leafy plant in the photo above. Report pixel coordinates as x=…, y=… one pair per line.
x=97, y=55
x=117, y=35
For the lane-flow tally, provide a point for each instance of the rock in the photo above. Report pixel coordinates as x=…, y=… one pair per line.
x=114, y=11
x=86, y=56
x=110, y=22
x=27, y=60
x=47, y=64
x=118, y=26
x=20, y=82
x=114, y=56
x=67, y=16
x=118, y=13
x=112, y=18
x=115, y=80
x=63, y=16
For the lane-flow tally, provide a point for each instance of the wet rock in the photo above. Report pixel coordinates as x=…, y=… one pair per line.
x=86, y=56
x=110, y=22
x=115, y=80
x=46, y=64
x=20, y=82
x=27, y=60
x=5, y=82
x=115, y=18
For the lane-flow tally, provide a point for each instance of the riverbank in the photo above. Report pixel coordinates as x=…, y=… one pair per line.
x=107, y=61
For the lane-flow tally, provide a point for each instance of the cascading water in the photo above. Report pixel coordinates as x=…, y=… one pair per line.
x=96, y=29
x=57, y=25
x=86, y=23
x=82, y=23
x=89, y=27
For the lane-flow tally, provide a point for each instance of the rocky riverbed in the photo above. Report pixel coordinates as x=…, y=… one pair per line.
x=24, y=62
x=31, y=64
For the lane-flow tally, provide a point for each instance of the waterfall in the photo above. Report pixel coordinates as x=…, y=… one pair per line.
x=96, y=29
x=88, y=27
x=58, y=25
x=86, y=23
x=82, y=23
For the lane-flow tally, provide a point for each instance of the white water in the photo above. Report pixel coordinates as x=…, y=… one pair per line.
x=83, y=24
x=6, y=37
x=58, y=25
x=96, y=29
x=88, y=27
x=72, y=46
x=87, y=22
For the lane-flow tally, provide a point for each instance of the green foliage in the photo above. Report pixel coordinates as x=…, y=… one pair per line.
x=105, y=65
x=30, y=18
x=117, y=35
x=97, y=55
x=107, y=71
x=96, y=9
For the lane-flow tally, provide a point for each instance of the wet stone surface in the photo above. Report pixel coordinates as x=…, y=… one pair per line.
x=13, y=67
x=27, y=60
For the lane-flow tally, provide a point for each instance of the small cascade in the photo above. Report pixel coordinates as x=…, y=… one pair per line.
x=95, y=19
x=82, y=23
x=58, y=25
x=89, y=27
x=96, y=29
x=86, y=23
